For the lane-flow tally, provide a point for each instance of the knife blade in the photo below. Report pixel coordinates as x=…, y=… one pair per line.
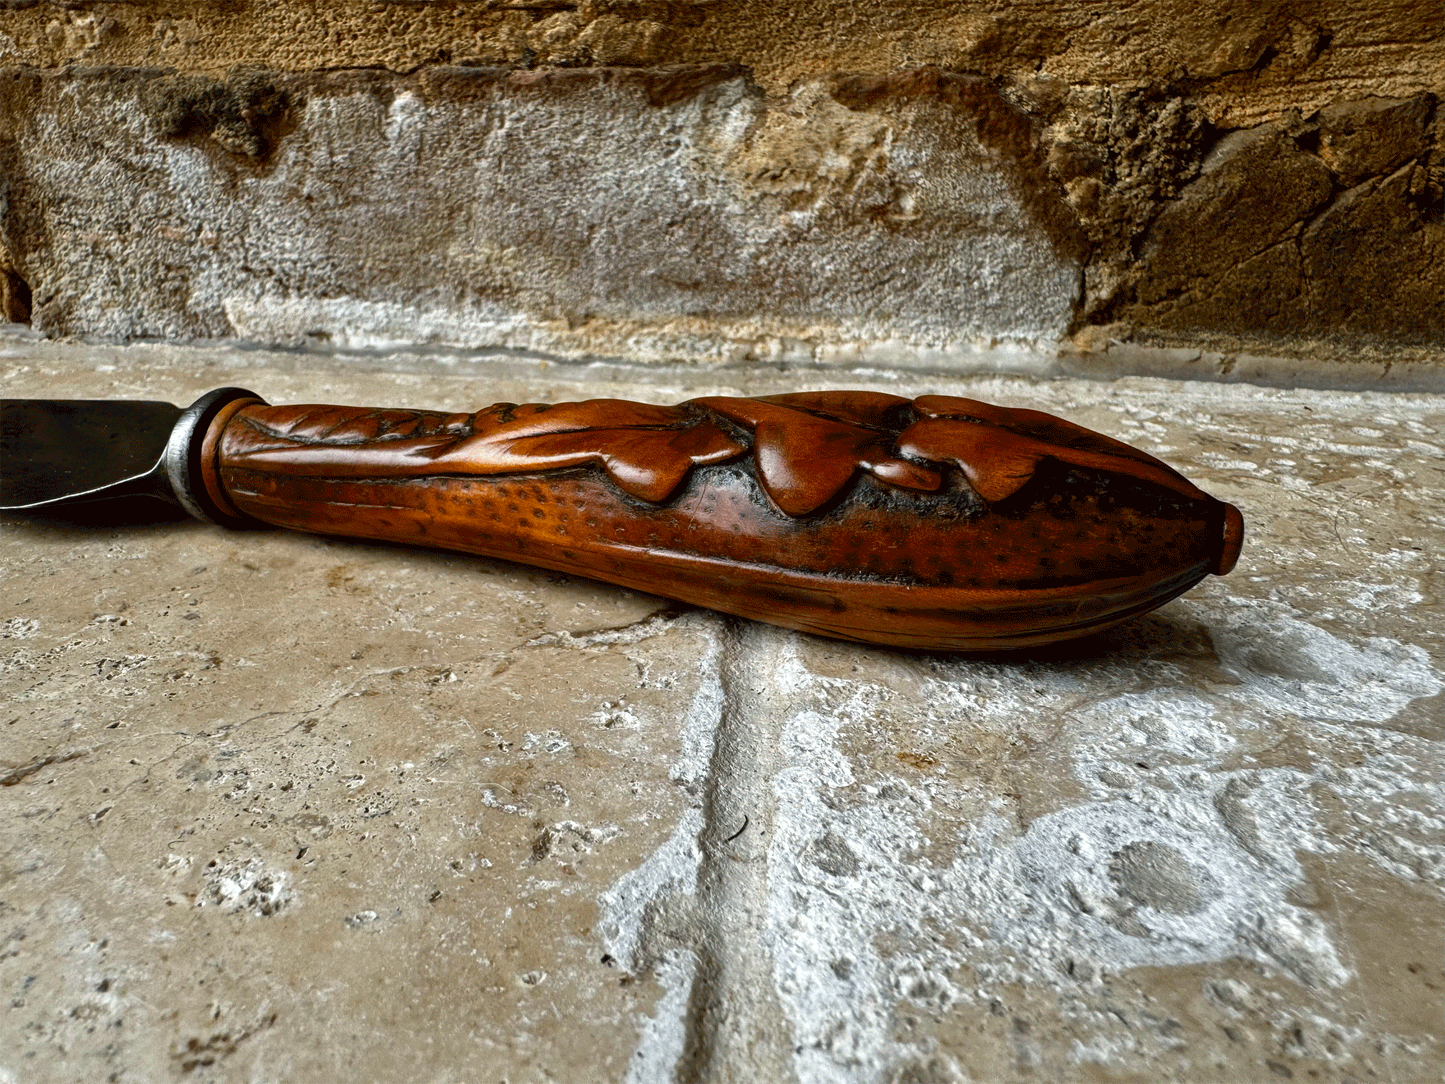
x=938, y=522
x=76, y=452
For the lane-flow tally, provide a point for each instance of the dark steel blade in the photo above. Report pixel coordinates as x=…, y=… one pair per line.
x=56, y=454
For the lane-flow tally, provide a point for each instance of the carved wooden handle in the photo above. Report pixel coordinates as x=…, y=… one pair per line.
x=940, y=522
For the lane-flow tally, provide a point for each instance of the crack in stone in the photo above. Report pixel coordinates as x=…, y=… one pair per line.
x=24, y=771
x=735, y=1027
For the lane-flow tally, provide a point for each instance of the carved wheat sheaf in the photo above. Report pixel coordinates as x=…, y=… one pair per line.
x=808, y=447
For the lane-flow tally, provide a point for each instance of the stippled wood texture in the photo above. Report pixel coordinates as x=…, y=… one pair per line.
x=939, y=522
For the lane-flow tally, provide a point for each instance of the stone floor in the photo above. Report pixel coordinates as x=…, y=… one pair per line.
x=281, y=808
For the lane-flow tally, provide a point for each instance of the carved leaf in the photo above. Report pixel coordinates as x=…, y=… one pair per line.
x=870, y=409
x=808, y=447
x=1048, y=428
x=647, y=450
x=285, y=427
x=805, y=456
x=998, y=448
x=996, y=462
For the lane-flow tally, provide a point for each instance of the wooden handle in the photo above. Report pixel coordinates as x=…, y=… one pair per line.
x=940, y=522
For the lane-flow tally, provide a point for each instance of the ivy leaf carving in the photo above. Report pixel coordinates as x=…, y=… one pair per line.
x=869, y=409
x=996, y=462
x=806, y=456
x=808, y=446
x=998, y=448
x=647, y=450
x=1048, y=428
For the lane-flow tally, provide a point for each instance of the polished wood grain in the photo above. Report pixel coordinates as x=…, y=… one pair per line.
x=940, y=522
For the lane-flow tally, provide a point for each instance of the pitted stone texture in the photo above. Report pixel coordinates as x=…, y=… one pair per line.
x=678, y=213
x=1057, y=864
x=1150, y=856
x=646, y=214
x=1206, y=842
x=290, y=882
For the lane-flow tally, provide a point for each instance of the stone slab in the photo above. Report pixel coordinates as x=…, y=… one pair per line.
x=279, y=807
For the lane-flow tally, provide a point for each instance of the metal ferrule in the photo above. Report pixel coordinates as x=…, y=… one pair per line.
x=183, y=457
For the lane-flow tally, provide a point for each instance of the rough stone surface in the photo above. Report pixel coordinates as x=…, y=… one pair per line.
x=585, y=211
x=1350, y=238
x=1360, y=140
x=278, y=807
x=804, y=180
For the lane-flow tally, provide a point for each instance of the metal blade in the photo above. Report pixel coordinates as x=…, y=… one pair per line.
x=56, y=454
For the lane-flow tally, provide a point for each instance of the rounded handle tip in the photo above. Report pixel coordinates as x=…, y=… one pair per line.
x=1231, y=541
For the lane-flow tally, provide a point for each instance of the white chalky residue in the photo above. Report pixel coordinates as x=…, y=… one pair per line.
x=361, y=325
x=821, y=918
x=1100, y=1050
x=1165, y=719
x=405, y=123
x=1375, y=596
x=1233, y=903
x=1291, y=666
x=1185, y=848
x=615, y=715
x=249, y=885
x=1191, y=865
x=704, y=713
x=669, y=870
x=664, y=1034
